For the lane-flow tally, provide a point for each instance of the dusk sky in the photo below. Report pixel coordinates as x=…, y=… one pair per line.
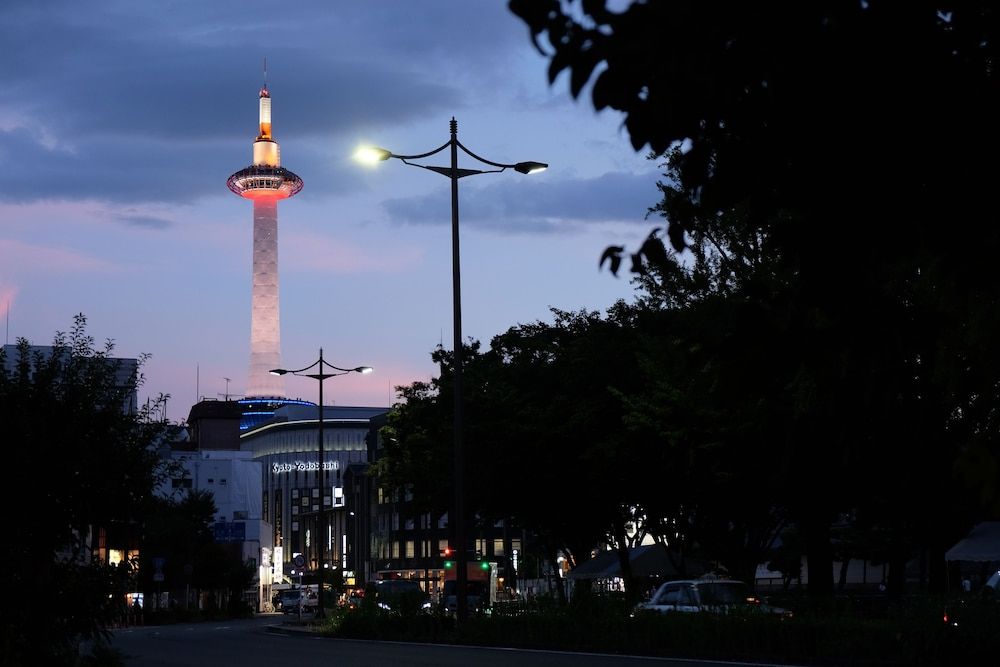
x=120, y=122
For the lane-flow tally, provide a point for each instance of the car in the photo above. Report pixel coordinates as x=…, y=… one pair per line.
x=477, y=598
x=292, y=598
x=710, y=595
x=401, y=596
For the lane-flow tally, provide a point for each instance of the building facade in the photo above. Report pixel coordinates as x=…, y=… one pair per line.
x=294, y=503
x=370, y=532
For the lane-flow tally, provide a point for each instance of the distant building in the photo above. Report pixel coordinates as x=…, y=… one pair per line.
x=372, y=533
x=288, y=449
x=125, y=370
x=279, y=508
x=212, y=461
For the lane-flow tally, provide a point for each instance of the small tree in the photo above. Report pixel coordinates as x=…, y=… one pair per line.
x=65, y=419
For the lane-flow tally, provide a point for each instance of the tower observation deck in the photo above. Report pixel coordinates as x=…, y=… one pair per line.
x=265, y=183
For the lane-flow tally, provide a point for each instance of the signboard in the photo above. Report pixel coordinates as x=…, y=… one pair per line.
x=235, y=531
x=279, y=564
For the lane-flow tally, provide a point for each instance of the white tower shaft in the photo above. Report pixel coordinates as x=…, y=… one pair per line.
x=265, y=330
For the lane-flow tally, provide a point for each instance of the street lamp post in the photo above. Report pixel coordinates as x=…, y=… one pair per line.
x=374, y=155
x=320, y=376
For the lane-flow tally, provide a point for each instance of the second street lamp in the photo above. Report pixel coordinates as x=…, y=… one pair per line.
x=453, y=172
x=320, y=375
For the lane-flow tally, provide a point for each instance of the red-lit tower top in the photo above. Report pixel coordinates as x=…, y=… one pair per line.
x=265, y=178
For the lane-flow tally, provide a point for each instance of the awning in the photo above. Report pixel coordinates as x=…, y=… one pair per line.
x=646, y=561
x=982, y=544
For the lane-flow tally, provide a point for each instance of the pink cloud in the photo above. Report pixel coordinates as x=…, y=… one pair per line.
x=7, y=295
x=320, y=253
x=27, y=257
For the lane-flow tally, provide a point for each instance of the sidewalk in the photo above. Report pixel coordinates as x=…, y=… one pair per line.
x=291, y=624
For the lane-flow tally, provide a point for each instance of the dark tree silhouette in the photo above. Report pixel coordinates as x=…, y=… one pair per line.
x=94, y=466
x=846, y=138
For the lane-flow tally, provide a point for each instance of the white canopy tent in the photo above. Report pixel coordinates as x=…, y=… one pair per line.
x=981, y=545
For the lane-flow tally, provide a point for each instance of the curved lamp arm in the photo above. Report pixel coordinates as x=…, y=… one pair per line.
x=364, y=370
x=371, y=155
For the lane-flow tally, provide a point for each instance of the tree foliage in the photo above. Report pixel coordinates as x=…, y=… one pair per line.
x=178, y=532
x=834, y=142
x=93, y=467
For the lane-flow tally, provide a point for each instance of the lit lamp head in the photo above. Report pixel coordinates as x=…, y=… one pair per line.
x=364, y=370
x=277, y=371
x=370, y=155
x=530, y=167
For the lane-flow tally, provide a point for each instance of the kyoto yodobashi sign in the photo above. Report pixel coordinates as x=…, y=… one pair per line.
x=235, y=531
x=304, y=466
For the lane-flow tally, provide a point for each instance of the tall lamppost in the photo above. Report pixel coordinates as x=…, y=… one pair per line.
x=373, y=156
x=320, y=376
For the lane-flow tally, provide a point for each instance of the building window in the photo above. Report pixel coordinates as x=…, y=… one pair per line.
x=498, y=547
x=222, y=482
x=410, y=550
x=395, y=549
x=442, y=545
x=408, y=525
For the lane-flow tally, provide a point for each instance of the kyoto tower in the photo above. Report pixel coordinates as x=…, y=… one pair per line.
x=265, y=182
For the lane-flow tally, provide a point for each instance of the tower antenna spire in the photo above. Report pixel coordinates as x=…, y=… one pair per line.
x=265, y=72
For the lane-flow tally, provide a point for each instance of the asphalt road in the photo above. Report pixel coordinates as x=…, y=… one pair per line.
x=264, y=640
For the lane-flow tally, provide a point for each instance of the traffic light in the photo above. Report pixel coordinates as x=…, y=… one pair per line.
x=448, y=552
x=484, y=565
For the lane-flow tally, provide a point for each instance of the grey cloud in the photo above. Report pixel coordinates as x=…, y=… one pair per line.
x=131, y=170
x=115, y=72
x=537, y=205
x=161, y=106
x=145, y=221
